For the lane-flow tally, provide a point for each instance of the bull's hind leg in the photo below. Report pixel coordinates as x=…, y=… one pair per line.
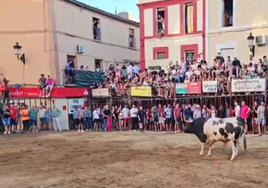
x=202, y=148
x=210, y=147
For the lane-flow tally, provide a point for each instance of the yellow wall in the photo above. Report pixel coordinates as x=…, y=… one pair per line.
x=24, y=22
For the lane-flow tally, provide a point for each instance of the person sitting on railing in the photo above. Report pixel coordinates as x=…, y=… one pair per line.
x=49, y=85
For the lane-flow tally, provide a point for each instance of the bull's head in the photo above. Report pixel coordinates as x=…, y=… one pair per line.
x=189, y=127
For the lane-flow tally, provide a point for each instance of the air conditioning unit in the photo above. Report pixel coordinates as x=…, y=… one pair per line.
x=80, y=49
x=261, y=40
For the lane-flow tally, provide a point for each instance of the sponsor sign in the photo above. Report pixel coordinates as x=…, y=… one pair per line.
x=209, y=87
x=72, y=103
x=141, y=91
x=181, y=88
x=190, y=88
x=34, y=92
x=194, y=88
x=100, y=92
x=248, y=85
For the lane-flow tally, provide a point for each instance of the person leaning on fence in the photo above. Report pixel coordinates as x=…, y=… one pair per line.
x=33, y=118
x=56, y=118
x=6, y=120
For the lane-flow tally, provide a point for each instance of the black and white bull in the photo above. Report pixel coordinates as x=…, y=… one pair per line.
x=214, y=130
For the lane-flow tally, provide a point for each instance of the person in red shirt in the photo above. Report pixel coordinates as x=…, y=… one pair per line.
x=13, y=118
x=177, y=116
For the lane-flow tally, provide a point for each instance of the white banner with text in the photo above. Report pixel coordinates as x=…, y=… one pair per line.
x=248, y=85
x=209, y=87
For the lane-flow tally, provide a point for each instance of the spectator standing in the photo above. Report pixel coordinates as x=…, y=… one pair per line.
x=80, y=116
x=33, y=118
x=177, y=115
x=141, y=117
x=56, y=118
x=168, y=112
x=197, y=112
x=106, y=113
x=96, y=118
x=42, y=81
x=261, y=118
x=48, y=116
x=155, y=118
x=25, y=118
x=75, y=117
x=88, y=118
x=134, y=118
x=6, y=120
x=13, y=118
x=237, y=110
x=43, y=120
x=245, y=110
x=125, y=112
x=49, y=85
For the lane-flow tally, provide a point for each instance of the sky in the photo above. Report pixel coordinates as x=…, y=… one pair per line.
x=111, y=5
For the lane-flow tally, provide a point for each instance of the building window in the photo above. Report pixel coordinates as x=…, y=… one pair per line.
x=160, y=26
x=97, y=65
x=189, y=18
x=131, y=38
x=161, y=55
x=189, y=55
x=228, y=13
x=96, y=29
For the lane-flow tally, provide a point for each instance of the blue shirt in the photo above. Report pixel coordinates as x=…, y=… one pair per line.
x=136, y=69
x=48, y=114
x=168, y=113
x=75, y=114
x=188, y=113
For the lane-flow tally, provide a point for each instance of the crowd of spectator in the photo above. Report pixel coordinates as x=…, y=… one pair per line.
x=173, y=117
x=22, y=118
x=120, y=78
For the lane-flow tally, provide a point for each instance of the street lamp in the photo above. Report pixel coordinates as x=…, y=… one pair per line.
x=251, y=44
x=17, y=50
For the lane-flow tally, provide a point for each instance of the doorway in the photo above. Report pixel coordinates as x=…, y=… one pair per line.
x=72, y=58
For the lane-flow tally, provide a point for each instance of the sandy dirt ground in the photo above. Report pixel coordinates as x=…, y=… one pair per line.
x=127, y=160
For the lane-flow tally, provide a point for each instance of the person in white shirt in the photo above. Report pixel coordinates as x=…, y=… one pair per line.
x=189, y=73
x=43, y=120
x=129, y=70
x=134, y=118
x=96, y=119
x=237, y=110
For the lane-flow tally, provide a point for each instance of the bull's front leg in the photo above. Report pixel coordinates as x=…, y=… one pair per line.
x=202, y=149
x=234, y=149
x=210, y=147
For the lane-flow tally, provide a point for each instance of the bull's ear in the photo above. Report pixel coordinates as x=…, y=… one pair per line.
x=220, y=121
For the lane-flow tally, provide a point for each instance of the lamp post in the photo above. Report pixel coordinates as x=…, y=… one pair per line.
x=251, y=44
x=17, y=50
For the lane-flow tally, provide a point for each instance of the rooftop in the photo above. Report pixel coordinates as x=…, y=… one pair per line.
x=102, y=12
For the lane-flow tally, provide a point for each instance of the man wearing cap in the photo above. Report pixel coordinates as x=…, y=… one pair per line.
x=197, y=112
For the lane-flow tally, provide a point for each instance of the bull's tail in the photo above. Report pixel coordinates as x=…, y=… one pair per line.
x=244, y=141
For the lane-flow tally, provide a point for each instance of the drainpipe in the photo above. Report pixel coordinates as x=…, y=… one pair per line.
x=207, y=35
